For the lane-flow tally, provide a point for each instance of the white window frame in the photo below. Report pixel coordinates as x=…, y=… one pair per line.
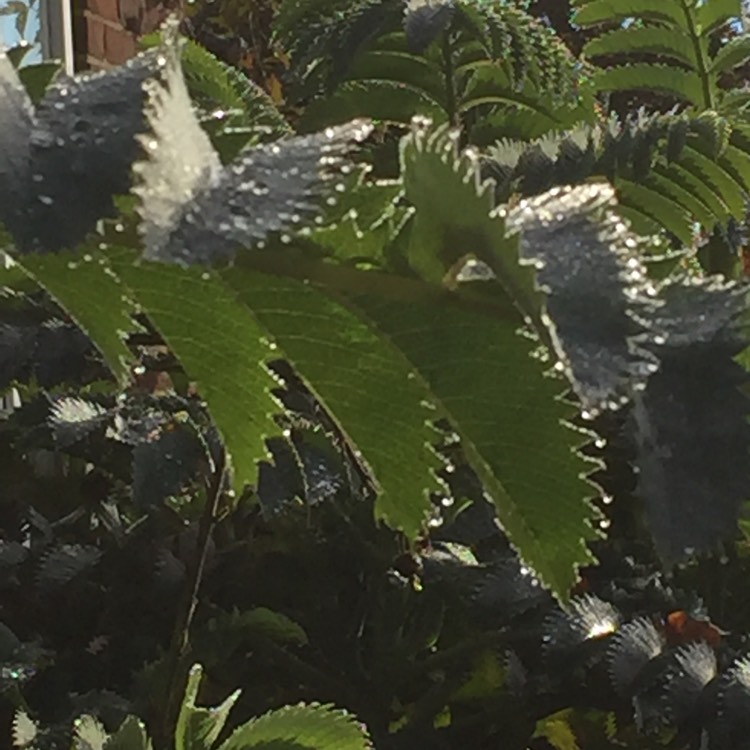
x=56, y=32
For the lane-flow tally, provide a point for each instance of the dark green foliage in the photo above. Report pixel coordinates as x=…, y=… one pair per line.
x=485, y=66
x=403, y=440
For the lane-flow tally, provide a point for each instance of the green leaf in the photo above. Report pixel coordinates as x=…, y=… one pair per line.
x=509, y=417
x=36, y=78
x=682, y=84
x=455, y=218
x=662, y=209
x=713, y=13
x=221, y=346
x=652, y=39
x=311, y=727
x=388, y=101
x=86, y=288
x=364, y=382
x=731, y=55
x=130, y=736
x=610, y=11
x=198, y=728
x=400, y=67
x=266, y=623
x=215, y=85
x=723, y=183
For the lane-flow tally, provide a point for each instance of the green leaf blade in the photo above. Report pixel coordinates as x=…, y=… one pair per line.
x=87, y=289
x=365, y=383
x=510, y=419
x=222, y=347
x=301, y=727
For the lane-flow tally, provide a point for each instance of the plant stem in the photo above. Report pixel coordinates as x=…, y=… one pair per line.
x=450, y=91
x=179, y=649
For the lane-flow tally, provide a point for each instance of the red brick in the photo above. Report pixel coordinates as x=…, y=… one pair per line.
x=119, y=45
x=95, y=37
x=108, y=9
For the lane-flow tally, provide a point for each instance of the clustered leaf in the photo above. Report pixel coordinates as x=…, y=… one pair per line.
x=64, y=161
x=690, y=422
x=194, y=209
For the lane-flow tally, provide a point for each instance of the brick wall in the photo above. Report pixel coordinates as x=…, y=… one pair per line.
x=107, y=31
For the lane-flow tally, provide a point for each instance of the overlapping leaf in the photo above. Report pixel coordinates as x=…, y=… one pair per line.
x=194, y=209
x=595, y=288
x=679, y=32
x=690, y=423
x=221, y=346
x=363, y=380
x=670, y=171
x=64, y=162
x=493, y=389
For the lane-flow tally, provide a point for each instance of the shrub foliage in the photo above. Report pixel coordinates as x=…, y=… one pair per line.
x=424, y=397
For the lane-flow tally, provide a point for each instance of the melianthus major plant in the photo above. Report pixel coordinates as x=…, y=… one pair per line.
x=421, y=316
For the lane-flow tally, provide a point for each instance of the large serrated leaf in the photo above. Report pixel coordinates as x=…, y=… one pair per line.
x=222, y=347
x=130, y=736
x=199, y=727
x=87, y=289
x=690, y=424
x=454, y=217
x=509, y=417
x=196, y=210
x=71, y=156
x=365, y=382
x=596, y=288
x=301, y=727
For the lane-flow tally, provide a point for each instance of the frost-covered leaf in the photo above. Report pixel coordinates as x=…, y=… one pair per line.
x=89, y=734
x=586, y=618
x=73, y=418
x=165, y=464
x=596, y=289
x=301, y=727
x=196, y=211
x=671, y=695
x=16, y=119
x=25, y=730
x=730, y=726
x=424, y=20
x=632, y=647
x=65, y=562
x=199, y=727
x=70, y=157
x=690, y=423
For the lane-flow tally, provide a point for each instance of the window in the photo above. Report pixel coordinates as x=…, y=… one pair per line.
x=46, y=24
